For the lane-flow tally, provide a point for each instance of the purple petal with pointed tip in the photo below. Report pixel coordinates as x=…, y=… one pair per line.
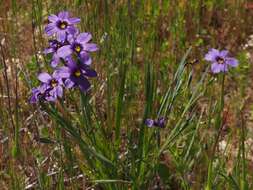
x=71, y=63
x=44, y=77
x=215, y=67
x=85, y=57
x=55, y=60
x=63, y=72
x=61, y=35
x=48, y=50
x=83, y=38
x=63, y=15
x=72, y=30
x=232, y=62
x=82, y=82
x=211, y=55
x=223, y=53
x=64, y=51
x=69, y=83
x=90, y=72
x=50, y=29
x=59, y=91
x=35, y=95
x=90, y=47
x=53, y=18
x=74, y=20
x=224, y=67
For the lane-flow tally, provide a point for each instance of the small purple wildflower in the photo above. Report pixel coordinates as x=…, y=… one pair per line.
x=42, y=93
x=80, y=46
x=53, y=85
x=54, y=45
x=160, y=122
x=76, y=74
x=149, y=122
x=220, y=60
x=37, y=94
x=61, y=25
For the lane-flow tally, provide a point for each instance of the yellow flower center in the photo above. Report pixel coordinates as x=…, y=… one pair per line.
x=77, y=73
x=63, y=25
x=78, y=48
x=53, y=83
x=58, y=45
x=220, y=60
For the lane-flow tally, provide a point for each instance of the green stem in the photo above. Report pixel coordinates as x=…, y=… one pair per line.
x=244, y=180
x=219, y=126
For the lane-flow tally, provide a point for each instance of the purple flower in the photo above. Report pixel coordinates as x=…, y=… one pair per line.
x=52, y=85
x=54, y=45
x=37, y=94
x=61, y=25
x=76, y=74
x=160, y=122
x=79, y=45
x=149, y=122
x=220, y=60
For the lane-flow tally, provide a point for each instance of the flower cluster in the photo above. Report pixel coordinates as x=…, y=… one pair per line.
x=160, y=122
x=220, y=60
x=70, y=51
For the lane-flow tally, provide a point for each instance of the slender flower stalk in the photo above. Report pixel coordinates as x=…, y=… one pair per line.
x=219, y=126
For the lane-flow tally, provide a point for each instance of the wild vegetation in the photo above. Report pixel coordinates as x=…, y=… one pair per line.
x=164, y=100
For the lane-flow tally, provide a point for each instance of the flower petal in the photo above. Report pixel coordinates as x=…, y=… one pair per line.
x=70, y=38
x=85, y=58
x=232, y=62
x=44, y=77
x=64, y=51
x=63, y=15
x=59, y=91
x=69, y=83
x=215, y=67
x=90, y=47
x=83, y=37
x=85, y=85
x=82, y=82
x=223, y=53
x=72, y=30
x=62, y=72
x=55, y=60
x=71, y=63
x=53, y=18
x=35, y=95
x=74, y=20
x=89, y=72
x=149, y=122
x=160, y=122
x=51, y=98
x=211, y=55
x=48, y=50
x=61, y=35
x=50, y=29
x=224, y=67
